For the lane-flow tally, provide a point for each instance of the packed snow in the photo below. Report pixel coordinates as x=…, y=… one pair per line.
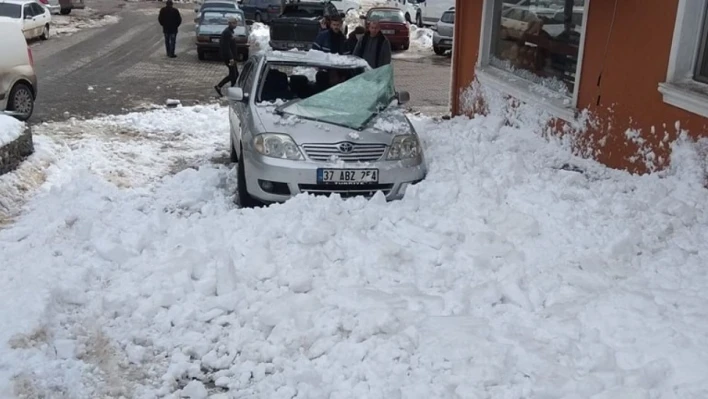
x=259, y=38
x=513, y=270
x=10, y=129
x=79, y=20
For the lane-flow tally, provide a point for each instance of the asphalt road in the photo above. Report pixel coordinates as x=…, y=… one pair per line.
x=122, y=67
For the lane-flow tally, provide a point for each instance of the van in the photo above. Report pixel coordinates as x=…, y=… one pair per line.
x=18, y=82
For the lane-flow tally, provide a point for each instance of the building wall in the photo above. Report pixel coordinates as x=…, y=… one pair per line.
x=632, y=66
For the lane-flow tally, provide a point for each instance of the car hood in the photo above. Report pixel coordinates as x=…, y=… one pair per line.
x=217, y=29
x=380, y=129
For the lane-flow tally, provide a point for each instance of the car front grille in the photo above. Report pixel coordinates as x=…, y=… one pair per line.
x=346, y=190
x=358, y=153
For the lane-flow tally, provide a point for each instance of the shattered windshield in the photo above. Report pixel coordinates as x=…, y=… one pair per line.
x=352, y=103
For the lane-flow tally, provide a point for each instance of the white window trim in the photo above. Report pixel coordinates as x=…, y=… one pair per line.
x=680, y=89
x=507, y=82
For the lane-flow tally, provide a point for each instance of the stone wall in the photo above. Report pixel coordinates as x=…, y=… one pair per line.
x=12, y=154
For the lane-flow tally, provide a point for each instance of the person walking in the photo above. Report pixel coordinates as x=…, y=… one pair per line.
x=353, y=39
x=228, y=53
x=374, y=47
x=331, y=40
x=170, y=19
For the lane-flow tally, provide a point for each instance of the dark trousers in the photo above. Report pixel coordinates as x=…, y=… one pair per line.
x=170, y=43
x=232, y=76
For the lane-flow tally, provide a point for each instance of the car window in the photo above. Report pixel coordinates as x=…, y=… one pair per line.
x=28, y=11
x=220, y=18
x=387, y=16
x=286, y=82
x=10, y=10
x=448, y=17
x=248, y=77
x=38, y=10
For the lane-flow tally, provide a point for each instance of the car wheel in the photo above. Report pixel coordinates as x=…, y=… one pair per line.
x=438, y=50
x=243, y=197
x=233, y=156
x=258, y=18
x=45, y=32
x=408, y=18
x=419, y=20
x=21, y=101
x=406, y=46
x=200, y=55
x=65, y=11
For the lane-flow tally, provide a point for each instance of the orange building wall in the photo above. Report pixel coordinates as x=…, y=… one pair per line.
x=635, y=62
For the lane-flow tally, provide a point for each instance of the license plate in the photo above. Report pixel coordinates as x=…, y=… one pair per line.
x=347, y=176
x=388, y=32
x=215, y=40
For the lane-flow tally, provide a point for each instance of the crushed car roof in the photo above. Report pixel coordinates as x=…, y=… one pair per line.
x=314, y=57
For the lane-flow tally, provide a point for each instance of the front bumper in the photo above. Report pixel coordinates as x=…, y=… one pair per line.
x=442, y=42
x=301, y=177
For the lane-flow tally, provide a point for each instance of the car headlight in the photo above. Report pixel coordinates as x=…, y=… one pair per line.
x=404, y=147
x=277, y=145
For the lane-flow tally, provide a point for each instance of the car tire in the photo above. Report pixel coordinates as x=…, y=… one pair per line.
x=45, y=32
x=406, y=46
x=200, y=55
x=243, y=198
x=438, y=50
x=408, y=18
x=419, y=20
x=233, y=155
x=65, y=11
x=258, y=18
x=21, y=100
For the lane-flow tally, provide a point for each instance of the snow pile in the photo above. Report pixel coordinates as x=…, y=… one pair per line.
x=514, y=270
x=10, y=129
x=421, y=38
x=259, y=39
x=80, y=20
x=335, y=59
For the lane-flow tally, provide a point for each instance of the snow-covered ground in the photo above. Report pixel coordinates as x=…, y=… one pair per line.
x=10, y=129
x=79, y=20
x=505, y=274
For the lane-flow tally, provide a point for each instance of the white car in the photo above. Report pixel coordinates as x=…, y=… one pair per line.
x=432, y=10
x=344, y=6
x=410, y=10
x=32, y=17
x=18, y=81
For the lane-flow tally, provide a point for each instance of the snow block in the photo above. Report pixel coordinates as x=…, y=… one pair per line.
x=13, y=153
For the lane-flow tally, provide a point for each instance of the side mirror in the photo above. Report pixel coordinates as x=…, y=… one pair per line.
x=27, y=16
x=249, y=22
x=235, y=94
x=343, y=15
x=403, y=97
x=362, y=17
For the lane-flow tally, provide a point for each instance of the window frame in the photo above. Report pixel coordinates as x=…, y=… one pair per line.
x=702, y=56
x=681, y=89
x=27, y=10
x=509, y=83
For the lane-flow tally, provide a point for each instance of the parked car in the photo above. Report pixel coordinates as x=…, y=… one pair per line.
x=344, y=6
x=411, y=11
x=18, y=82
x=298, y=25
x=432, y=10
x=29, y=15
x=212, y=23
x=443, y=31
x=393, y=25
x=261, y=10
x=231, y=5
x=342, y=132
x=63, y=7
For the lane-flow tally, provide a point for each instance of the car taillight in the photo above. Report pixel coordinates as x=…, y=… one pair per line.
x=44, y=1
x=29, y=54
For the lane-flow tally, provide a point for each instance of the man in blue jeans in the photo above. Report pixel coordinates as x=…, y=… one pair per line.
x=170, y=19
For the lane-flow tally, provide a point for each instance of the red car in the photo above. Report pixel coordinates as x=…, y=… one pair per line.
x=393, y=25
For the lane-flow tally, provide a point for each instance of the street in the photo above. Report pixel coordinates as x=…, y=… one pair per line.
x=122, y=67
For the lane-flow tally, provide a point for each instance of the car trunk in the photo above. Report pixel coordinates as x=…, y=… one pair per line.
x=394, y=29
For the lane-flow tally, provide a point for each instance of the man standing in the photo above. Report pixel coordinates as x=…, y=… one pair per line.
x=374, y=47
x=228, y=53
x=331, y=40
x=170, y=19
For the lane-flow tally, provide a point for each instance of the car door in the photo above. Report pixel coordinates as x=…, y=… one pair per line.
x=239, y=112
x=41, y=17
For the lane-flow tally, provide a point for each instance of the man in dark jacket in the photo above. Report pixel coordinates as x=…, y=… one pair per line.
x=353, y=39
x=331, y=40
x=170, y=20
x=228, y=53
x=374, y=47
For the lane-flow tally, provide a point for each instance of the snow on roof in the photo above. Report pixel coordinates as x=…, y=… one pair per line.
x=10, y=129
x=315, y=57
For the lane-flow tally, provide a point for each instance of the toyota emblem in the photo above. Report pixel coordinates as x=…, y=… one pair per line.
x=346, y=148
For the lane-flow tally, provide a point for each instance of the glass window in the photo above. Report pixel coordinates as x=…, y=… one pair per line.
x=29, y=12
x=387, y=16
x=10, y=10
x=539, y=41
x=38, y=10
x=701, y=74
x=245, y=79
x=220, y=18
x=448, y=17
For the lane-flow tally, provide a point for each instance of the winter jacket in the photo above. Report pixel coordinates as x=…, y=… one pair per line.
x=170, y=19
x=330, y=41
x=376, y=51
x=228, y=45
x=350, y=45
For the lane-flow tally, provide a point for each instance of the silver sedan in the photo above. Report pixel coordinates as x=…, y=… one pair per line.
x=310, y=122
